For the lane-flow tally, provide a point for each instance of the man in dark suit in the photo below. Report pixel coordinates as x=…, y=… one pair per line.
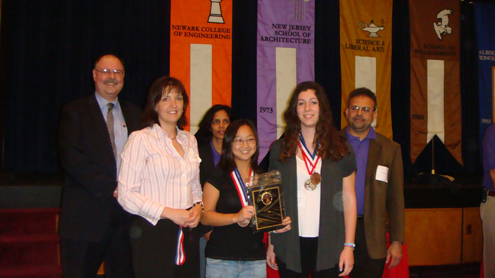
x=92, y=134
x=379, y=189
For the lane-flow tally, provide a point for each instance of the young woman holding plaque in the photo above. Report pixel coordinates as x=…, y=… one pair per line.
x=317, y=168
x=159, y=184
x=233, y=249
x=210, y=138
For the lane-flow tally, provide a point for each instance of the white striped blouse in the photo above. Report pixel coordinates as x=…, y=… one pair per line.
x=153, y=175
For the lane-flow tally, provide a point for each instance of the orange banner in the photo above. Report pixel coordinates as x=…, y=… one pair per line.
x=366, y=54
x=201, y=53
x=435, y=75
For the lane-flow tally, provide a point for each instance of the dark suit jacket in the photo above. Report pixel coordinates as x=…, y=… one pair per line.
x=86, y=155
x=332, y=227
x=381, y=198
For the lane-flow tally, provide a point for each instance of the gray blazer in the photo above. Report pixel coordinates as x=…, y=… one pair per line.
x=332, y=230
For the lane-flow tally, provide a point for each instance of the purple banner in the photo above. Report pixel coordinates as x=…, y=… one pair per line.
x=285, y=58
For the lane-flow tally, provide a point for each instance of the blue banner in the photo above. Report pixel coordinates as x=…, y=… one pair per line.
x=485, y=24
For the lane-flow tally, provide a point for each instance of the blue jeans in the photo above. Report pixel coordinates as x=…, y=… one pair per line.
x=242, y=269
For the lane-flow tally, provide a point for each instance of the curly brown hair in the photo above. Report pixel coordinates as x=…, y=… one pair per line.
x=330, y=144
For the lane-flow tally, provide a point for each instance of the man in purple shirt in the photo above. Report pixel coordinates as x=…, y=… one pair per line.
x=379, y=189
x=487, y=207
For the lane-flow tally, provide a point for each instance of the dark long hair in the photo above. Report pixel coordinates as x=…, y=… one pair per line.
x=204, y=133
x=331, y=144
x=163, y=85
x=227, y=161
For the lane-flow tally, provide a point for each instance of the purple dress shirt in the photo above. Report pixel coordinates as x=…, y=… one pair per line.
x=361, y=149
x=216, y=155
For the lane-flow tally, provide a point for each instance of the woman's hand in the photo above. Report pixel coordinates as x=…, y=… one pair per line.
x=287, y=227
x=178, y=216
x=194, y=216
x=346, y=261
x=243, y=217
x=270, y=257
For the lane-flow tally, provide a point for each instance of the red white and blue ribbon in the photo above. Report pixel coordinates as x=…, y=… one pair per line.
x=180, y=255
x=240, y=186
x=309, y=158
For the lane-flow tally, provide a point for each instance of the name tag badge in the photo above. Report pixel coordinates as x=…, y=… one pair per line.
x=382, y=173
x=193, y=157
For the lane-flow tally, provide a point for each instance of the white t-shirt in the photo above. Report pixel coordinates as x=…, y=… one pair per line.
x=308, y=202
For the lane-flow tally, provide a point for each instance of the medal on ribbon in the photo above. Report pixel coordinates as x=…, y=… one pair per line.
x=310, y=160
x=241, y=186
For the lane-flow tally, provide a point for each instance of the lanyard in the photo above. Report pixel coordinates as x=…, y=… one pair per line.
x=309, y=158
x=240, y=186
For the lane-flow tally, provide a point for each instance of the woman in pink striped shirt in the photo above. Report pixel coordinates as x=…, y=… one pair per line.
x=159, y=184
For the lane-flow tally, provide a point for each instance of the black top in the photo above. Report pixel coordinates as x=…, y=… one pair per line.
x=232, y=242
x=207, y=164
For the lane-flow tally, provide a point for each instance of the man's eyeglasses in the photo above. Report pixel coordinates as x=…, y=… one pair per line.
x=240, y=142
x=364, y=110
x=108, y=72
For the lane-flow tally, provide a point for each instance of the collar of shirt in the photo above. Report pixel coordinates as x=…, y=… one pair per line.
x=371, y=135
x=102, y=103
x=163, y=135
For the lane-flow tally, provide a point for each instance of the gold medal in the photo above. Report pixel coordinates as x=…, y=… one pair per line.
x=315, y=178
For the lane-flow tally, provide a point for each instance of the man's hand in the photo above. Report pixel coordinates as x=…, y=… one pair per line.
x=394, y=254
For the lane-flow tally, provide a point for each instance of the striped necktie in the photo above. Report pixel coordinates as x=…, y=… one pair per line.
x=110, y=129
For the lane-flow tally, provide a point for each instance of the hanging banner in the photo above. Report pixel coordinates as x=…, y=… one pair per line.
x=435, y=75
x=366, y=55
x=485, y=24
x=285, y=58
x=201, y=53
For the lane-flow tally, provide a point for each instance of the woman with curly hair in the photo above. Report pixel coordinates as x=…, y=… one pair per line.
x=318, y=172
